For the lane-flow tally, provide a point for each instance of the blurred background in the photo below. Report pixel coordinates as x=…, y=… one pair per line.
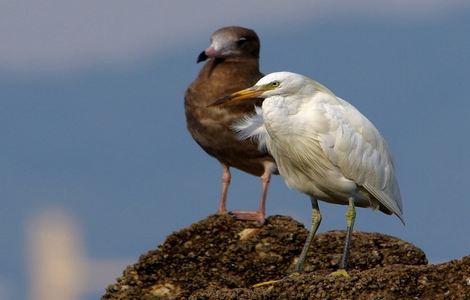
x=96, y=165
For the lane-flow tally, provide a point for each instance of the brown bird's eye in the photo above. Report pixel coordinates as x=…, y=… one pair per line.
x=241, y=41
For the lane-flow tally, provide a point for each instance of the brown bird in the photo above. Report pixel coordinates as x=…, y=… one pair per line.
x=232, y=64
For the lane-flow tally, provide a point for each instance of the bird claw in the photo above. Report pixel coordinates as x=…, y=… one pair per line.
x=340, y=272
x=269, y=282
x=294, y=274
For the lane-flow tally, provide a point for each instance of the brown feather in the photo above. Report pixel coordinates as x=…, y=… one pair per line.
x=211, y=126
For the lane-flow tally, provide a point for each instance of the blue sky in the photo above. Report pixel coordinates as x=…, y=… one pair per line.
x=92, y=121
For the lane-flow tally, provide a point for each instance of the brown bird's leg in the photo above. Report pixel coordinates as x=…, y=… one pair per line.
x=260, y=214
x=226, y=177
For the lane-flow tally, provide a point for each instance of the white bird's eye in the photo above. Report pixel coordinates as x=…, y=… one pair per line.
x=275, y=84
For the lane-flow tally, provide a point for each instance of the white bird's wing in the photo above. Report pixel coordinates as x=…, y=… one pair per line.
x=252, y=126
x=355, y=146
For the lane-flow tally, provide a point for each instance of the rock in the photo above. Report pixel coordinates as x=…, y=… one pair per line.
x=221, y=258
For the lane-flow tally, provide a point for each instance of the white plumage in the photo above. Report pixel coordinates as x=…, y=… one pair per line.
x=323, y=147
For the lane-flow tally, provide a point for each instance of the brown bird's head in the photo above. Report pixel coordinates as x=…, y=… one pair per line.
x=232, y=41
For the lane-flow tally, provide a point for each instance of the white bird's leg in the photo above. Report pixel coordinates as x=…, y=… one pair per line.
x=316, y=220
x=226, y=177
x=260, y=214
x=350, y=218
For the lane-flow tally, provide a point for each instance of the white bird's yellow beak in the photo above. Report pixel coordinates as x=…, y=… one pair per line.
x=246, y=95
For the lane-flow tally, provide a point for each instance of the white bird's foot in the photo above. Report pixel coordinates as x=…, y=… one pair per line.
x=270, y=282
x=340, y=272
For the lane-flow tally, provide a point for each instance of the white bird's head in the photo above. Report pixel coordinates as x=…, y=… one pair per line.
x=275, y=84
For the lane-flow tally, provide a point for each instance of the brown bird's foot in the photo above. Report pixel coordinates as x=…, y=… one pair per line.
x=221, y=211
x=340, y=272
x=270, y=282
x=249, y=216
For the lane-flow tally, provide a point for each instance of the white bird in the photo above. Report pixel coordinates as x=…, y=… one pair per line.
x=323, y=146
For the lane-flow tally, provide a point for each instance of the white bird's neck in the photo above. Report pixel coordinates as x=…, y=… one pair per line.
x=277, y=114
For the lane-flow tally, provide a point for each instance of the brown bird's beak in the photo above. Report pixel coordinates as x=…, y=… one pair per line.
x=246, y=95
x=208, y=53
x=202, y=57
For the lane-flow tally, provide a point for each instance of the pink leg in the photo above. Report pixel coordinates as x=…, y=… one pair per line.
x=226, y=177
x=260, y=214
